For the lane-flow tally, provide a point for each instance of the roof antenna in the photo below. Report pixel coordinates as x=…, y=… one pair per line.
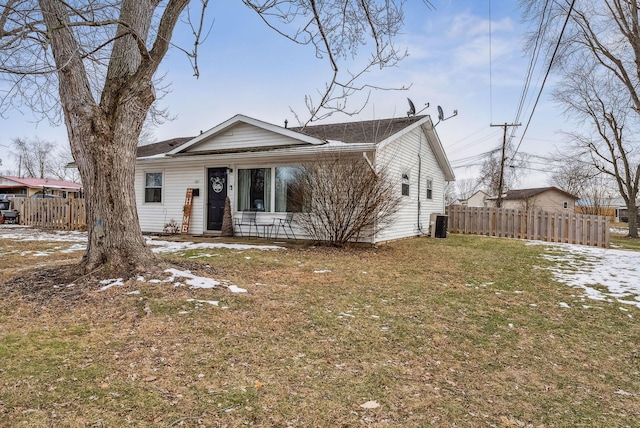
x=441, y=117
x=412, y=108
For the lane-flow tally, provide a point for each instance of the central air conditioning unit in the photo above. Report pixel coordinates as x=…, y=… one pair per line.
x=438, y=225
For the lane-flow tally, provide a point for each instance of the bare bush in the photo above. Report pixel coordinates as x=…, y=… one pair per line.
x=343, y=200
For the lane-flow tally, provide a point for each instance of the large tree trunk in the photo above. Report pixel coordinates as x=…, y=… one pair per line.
x=632, y=209
x=104, y=135
x=107, y=168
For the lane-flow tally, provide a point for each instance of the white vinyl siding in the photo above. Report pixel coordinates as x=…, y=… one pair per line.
x=411, y=154
x=243, y=136
x=177, y=178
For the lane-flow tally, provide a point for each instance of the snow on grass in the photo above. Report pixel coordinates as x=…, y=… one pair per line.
x=603, y=274
x=174, y=247
x=27, y=233
x=191, y=279
x=78, y=242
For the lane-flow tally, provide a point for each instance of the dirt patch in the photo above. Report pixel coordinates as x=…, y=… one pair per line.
x=63, y=283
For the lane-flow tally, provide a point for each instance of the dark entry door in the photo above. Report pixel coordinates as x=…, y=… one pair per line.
x=216, y=196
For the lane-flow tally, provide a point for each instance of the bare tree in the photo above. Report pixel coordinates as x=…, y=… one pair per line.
x=343, y=200
x=492, y=169
x=60, y=169
x=612, y=145
x=598, y=61
x=94, y=64
x=36, y=157
x=574, y=172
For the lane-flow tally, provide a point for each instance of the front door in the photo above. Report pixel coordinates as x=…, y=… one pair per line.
x=216, y=196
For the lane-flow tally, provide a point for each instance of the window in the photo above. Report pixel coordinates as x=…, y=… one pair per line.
x=153, y=187
x=254, y=189
x=565, y=205
x=429, y=188
x=405, y=185
x=285, y=189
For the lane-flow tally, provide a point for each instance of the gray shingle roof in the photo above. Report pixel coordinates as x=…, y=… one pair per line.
x=161, y=146
x=518, y=194
x=367, y=131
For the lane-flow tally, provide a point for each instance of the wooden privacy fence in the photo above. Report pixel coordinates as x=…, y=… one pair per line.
x=535, y=225
x=52, y=213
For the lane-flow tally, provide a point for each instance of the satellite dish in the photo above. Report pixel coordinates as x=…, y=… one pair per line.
x=412, y=108
x=441, y=115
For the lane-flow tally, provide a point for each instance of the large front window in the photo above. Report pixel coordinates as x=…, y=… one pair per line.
x=286, y=200
x=254, y=189
x=268, y=189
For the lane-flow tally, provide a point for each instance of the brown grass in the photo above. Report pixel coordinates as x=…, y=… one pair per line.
x=437, y=332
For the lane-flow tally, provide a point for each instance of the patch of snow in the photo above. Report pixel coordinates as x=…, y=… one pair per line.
x=236, y=289
x=603, y=274
x=563, y=305
x=108, y=283
x=322, y=271
x=210, y=302
x=192, y=280
x=172, y=247
x=619, y=230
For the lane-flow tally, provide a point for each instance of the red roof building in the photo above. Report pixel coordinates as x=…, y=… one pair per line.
x=27, y=187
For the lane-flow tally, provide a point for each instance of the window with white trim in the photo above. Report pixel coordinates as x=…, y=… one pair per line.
x=429, y=188
x=405, y=184
x=254, y=189
x=153, y=187
x=267, y=189
x=284, y=189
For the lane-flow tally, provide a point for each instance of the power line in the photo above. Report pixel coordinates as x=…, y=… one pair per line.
x=537, y=48
x=490, y=69
x=553, y=56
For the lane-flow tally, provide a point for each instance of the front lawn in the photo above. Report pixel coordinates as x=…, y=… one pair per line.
x=465, y=331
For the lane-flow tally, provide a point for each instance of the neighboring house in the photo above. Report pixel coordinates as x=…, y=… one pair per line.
x=27, y=187
x=618, y=207
x=478, y=199
x=543, y=198
x=251, y=161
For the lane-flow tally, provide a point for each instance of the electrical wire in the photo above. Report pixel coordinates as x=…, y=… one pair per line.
x=553, y=56
x=537, y=48
x=490, y=69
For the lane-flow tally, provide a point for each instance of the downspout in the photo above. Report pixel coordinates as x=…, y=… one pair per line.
x=366, y=158
x=419, y=181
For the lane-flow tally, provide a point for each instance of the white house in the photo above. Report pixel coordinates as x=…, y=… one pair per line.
x=478, y=199
x=250, y=161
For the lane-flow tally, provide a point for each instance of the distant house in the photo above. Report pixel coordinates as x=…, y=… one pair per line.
x=479, y=199
x=543, y=198
x=252, y=161
x=27, y=187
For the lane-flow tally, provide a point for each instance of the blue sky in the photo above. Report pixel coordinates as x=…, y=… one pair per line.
x=246, y=68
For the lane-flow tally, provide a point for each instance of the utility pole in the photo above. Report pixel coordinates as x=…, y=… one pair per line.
x=504, y=147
